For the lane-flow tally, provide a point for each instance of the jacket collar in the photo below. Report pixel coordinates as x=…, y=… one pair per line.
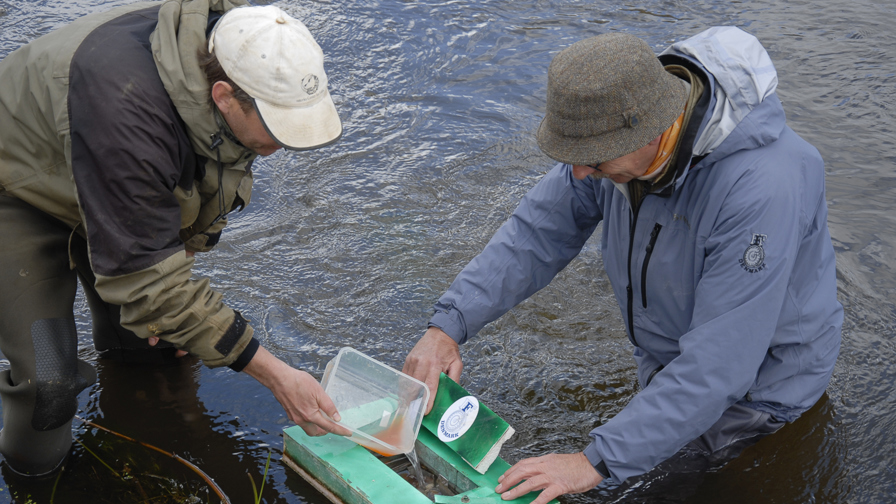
x=698, y=104
x=180, y=32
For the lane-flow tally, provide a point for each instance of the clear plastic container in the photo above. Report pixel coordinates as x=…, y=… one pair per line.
x=381, y=406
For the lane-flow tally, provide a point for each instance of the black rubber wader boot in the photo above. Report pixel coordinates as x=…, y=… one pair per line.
x=37, y=335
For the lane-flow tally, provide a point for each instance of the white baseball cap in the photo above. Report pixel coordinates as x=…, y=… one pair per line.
x=275, y=60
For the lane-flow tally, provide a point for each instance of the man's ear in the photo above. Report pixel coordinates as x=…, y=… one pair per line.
x=222, y=94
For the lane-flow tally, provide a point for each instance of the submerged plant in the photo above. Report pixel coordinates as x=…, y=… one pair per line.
x=189, y=499
x=257, y=491
x=96, y=457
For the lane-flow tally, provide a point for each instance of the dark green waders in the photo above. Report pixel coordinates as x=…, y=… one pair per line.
x=38, y=337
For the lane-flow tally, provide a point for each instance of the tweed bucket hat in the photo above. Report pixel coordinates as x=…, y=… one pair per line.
x=607, y=96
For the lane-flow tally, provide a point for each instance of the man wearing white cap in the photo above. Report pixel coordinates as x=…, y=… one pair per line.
x=126, y=138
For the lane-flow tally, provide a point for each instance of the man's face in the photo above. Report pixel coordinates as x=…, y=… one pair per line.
x=247, y=128
x=245, y=124
x=622, y=169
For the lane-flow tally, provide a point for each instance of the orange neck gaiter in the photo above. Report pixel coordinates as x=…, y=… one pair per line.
x=667, y=146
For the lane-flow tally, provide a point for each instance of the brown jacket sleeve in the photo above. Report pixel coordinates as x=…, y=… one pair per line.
x=164, y=301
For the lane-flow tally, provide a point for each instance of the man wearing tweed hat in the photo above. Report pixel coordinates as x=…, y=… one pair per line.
x=714, y=238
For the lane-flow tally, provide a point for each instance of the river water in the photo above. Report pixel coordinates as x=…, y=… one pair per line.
x=350, y=246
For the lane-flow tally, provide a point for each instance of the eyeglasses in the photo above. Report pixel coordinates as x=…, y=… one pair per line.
x=598, y=174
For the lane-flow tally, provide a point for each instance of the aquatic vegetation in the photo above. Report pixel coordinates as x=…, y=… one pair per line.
x=106, y=467
x=257, y=491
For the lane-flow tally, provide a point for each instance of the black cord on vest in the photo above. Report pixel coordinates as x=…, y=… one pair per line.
x=216, y=143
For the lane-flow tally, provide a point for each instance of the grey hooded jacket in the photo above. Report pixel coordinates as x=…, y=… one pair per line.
x=726, y=278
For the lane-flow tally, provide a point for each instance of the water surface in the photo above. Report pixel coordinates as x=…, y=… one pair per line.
x=350, y=246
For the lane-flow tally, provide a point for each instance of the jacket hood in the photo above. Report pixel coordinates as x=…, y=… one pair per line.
x=176, y=41
x=745, y=113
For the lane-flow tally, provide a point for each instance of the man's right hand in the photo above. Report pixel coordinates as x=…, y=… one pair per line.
x=434, y=354
x=301, y=396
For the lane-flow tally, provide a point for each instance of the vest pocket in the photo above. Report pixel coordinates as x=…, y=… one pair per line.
x=189, y=205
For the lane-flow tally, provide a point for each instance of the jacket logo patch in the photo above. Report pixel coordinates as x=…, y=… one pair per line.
x=754, y=257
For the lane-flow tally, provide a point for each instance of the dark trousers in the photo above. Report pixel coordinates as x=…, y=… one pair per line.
x=679, y=477
x=38, y=336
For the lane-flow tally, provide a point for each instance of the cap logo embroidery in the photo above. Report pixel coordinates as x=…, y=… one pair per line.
x=310, y=83
x=753, y=260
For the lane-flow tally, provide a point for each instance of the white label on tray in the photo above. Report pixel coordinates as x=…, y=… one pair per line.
x=458, y=418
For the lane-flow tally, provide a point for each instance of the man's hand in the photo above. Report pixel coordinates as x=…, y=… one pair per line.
x=301, y=396
x=555, y=474
x=435, y=353
x=154, y=340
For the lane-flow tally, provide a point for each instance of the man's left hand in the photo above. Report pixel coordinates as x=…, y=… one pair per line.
x=555, y=474
x=154, y=340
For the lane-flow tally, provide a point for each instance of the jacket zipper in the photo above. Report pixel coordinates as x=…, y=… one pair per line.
x=653, y=236
x=628, y=289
